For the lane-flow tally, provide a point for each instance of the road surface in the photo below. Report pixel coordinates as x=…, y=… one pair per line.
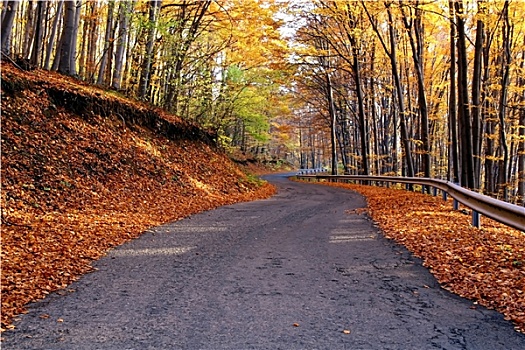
x=301, y=270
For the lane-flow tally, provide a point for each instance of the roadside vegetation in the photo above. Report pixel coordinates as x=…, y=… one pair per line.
x=84, y=171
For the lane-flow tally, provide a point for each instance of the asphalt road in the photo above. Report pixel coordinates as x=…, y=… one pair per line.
x=291, y=272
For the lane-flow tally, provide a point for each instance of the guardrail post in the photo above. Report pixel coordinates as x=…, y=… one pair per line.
x=445, y=194
x=456, y=203
x=476, y=220
x=434, y=191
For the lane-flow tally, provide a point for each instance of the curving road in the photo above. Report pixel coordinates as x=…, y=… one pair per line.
x=290, y=272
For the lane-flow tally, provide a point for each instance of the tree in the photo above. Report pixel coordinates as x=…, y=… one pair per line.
x=391, y=53
x=51, y=41
x=154, y=8
x=66, y=48
x=414, y=28
x=108, y=45
x=8, y=16
x=124, y=13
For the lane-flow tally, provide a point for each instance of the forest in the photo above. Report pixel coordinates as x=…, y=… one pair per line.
x=408, y=88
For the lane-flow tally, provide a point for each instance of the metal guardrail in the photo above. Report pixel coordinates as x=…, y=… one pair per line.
x=311, y=171
x=506, y=213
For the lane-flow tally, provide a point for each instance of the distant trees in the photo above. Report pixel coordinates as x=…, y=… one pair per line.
x=442, y=85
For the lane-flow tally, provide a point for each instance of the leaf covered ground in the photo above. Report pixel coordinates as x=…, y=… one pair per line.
x=486, y=265
x=76, y=184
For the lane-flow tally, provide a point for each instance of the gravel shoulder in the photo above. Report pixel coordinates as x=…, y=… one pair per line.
x=290, y=272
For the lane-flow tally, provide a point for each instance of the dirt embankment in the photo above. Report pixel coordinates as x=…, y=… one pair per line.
x=84, y=170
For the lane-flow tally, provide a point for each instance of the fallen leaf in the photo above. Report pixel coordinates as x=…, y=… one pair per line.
x=485, y=265
x=63, y=177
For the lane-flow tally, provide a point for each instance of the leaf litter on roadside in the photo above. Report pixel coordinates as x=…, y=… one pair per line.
x=73, y=186
x=486, y=265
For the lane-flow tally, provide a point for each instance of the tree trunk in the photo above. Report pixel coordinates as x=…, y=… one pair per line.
x=38, y=37
x=28, y=32
x=92, y=43
x=154, y=5
x=64, y=66
x=374, y=124
x=476, y=101
x=416, y=44
x=507, y=35
x=107, y=38
x=521, y=138
x=521, y=157
x=399, y=91
x=8, y=17
x=356, y=68
x=73, y=54
x=52, y=36
x=333, y=121
x=452, y=110
x=467, y=156
x=124, y=12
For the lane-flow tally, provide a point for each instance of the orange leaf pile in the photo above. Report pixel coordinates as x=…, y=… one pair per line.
x=486, y=265
x=73, y=186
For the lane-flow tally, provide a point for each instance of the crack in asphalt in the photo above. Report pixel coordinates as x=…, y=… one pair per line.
x=290, y=272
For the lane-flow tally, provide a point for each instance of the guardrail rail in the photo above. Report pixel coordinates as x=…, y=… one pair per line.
x=506, y=213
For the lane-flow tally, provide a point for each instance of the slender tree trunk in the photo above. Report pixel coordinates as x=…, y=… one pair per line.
x=58, y=50
x=488, y=126
x=111, y=50
x=107, y=38
x=356, y=68
x=452, y=110
x=333, y=121
x=399, y=91
x=28, y=32
x=463, y=102
x=38, y=37
x=8, y=16
x=73, y=53
x=375, y=123
x=476, y=99
x=52, y=36
x=154, y=5
x=124, y=12
x=414, y=28
x=521, y=157
x=506, y=62
x=395, y=158
x=66, y=49
x=521, y=137
x=82, y=60
x=92, y=42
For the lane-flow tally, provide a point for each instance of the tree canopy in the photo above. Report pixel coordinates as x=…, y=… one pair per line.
x=416, y=88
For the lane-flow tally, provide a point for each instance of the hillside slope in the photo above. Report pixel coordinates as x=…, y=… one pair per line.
x=84, y=170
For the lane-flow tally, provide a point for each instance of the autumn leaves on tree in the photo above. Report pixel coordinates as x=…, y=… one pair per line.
x=430, y=89
x=220, y=64
x=411, y=88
